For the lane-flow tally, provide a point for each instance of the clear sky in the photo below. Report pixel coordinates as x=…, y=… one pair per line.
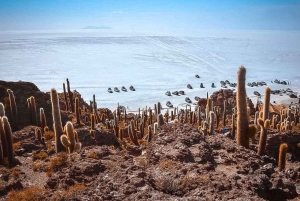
x=143, y=15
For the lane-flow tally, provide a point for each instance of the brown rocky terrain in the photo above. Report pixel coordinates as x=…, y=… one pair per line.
x=179, y=163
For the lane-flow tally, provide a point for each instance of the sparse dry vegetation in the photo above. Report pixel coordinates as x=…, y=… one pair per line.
x=34, y=193
x=66, y=194
x=16, y=145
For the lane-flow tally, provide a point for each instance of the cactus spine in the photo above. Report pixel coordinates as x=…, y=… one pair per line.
x=242, y=117
x=282, y=156
x=58, y=129
x=69, y=140
x=264, y=123
x=13, y=109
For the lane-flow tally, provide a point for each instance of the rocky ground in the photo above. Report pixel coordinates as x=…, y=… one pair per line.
x=179, y=163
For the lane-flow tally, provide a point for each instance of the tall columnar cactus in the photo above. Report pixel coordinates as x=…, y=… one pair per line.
x=149, y=134
x=13, y=109
x=3, y=139
x=8, y=134
x=33, y=111
x=233, y=127
x=77, y=110
x=57, y=125
x=43, y=120
x=133, y=135
x=242, y=117
x=160, y=120
x=264, y=123
x=71, y=97
x=217, y=115
x=256, y=117
x=211, y=122
x=158, y=108
x=69, y=140
x=66, y=97
x=93, y=121
x=155, y=128
x=38, y=134
x=282, y=156
x=224, y=113
x=2, y=110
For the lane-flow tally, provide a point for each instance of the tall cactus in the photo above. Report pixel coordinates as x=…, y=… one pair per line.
x=77, y=110
x=66, y=97
x=242, y=117
x=2, y=110
x=264, y=123
x=57, y=125
x=8, y=134
x=282, y=156
x=69, y=140
x=70, y=93
x=3, y=139
x=224, y=113
x=33, y=111
x=211, y=122
x=13, y=109
x=43, y=120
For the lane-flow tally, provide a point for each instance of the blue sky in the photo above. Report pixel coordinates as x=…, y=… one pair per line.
x=143, y=15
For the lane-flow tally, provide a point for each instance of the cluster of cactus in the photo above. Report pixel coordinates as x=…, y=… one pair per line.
x=6, y=142
x=70, y=139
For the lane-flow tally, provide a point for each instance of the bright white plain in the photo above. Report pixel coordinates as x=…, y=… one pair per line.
x=94, y=60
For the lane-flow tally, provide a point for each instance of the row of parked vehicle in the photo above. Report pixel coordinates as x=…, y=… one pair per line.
x=122, y=88
x=256, y=84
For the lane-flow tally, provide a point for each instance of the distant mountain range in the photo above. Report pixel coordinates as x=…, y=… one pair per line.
x=95, y=27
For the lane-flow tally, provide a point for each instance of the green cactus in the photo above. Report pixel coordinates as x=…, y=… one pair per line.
x=13, y=109
x=57, y=125
x=242, y=117
x=93, y=121
x=69, y=140
x=71, y=97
